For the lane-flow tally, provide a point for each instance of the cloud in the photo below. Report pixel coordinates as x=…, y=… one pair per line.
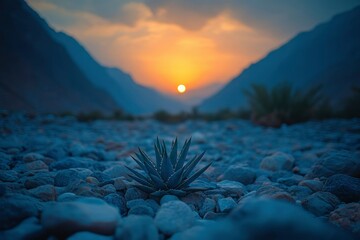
x=163, y=43
x=284, y=17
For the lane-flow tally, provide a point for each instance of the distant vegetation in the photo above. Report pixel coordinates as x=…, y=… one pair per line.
x=273, y=107
x=282, y=104
x=97, y=115
x=225, y=114
x=352, y=104
x=267, y=107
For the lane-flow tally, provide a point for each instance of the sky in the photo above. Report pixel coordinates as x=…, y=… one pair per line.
x=164, y=43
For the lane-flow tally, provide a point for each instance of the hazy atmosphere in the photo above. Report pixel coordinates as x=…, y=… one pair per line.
x=164, y=43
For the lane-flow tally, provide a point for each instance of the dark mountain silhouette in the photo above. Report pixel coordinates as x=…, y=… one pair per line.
x=36, y=73
x=328, y=55
x=132, y=97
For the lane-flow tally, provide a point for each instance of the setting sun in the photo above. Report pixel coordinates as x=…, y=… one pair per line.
x=181, y=88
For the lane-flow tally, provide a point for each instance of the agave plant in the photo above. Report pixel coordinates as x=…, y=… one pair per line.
x=170, y=173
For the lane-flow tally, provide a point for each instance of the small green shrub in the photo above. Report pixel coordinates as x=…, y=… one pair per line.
x=224, y=114
x=169, y=174
x=282, y=104
x=352, y=104
x=91, y=116
x=165, y=117
x=97, y=115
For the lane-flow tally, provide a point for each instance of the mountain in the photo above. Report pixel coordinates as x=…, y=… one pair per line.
x=193, y=97
x=36, y=73
x=129, y=95
x=328, y=55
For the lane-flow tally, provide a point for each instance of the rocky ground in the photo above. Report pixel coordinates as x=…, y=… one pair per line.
x=60, y=178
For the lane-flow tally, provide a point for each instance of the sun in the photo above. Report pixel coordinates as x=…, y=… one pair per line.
x=181, y=88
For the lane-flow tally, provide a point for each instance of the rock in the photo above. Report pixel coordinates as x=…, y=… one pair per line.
x=203, y=184
x=173, y=217
x=92, y=180
x=32, y=166
x=194, y=200
x=116, y=171
x=4, y=166
x=197, y=217
x=108, y=189
x=278, y=161
x=31, y=157
x=346, y=188
x=314, y=185
x=275, y=176
x=44, y=192
x=241, y=174
x=84, y=172
x=226, y=204
x=320, y=203
x=84, y=214
x=233, y=187
x=142, y=210
x=81, y=188
x=135, y=202
x=268, y=219
x=153, y=204
x=2, y=190
x=77, y=149
x=336, y=162
x=100, y=176
x=30, y=228
x=67, y=197
x=214, y=216
x=207, y=206
x=5, y=157
x=188, y=233
x=274, y=193
x=8, y=175
x=57, y=151
x=290, y=181
x=16, y=208
x=347, y=216
x=198, y=137
x=134, y=193
x=168, y=198
x=136, y=227
x=262, y=179
x=118, y=201
x=65, y=177
x=119, y=184
x=72, y=162
x=89, y=236
x=41, y=178
x=299, y=192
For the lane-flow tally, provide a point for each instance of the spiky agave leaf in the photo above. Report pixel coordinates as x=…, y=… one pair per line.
x=169, y=174
x=166, y=168
x=175, y=179
x=157, y=156
x=183, y=153
x=139, y=177
x=187, y=181
x=189, y=167
x=173, y=153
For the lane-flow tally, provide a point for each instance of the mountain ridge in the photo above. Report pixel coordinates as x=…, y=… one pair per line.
x=304, y=60
x=36, y=73
x=131, y=96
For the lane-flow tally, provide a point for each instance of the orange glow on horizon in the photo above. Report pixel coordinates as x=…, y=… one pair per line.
x=163, y=55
